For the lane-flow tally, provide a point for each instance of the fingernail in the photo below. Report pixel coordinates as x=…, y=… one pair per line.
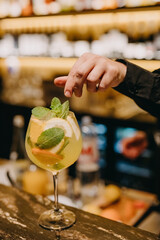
x=67, y=94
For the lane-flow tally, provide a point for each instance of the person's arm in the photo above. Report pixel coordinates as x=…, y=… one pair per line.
x=100, y=73
x=97, y=72
x=142, y=86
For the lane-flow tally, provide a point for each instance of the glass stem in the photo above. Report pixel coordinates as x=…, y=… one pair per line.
x=55, y=182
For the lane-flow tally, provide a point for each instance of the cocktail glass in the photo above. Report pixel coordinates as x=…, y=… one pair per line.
x=54, y=143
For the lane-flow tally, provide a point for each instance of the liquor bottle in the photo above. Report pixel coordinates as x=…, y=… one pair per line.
x=88, y=163
x=89, y=154
x=23, y=173
x=18, y=157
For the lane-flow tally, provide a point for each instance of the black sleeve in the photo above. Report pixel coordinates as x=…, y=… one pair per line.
x=142, y=86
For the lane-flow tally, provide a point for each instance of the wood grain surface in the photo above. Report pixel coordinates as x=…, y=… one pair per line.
x=19, y=212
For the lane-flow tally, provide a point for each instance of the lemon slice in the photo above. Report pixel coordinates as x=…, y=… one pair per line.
x=58, y=147
x=36, y=128
x=72, y=122
x=61, y=123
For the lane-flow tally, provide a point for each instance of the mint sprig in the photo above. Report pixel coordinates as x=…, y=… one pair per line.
x=65, y=110
x=61, y=110
x=40, y=112
x=56, y=105
x=50, y=138
x=56, y=110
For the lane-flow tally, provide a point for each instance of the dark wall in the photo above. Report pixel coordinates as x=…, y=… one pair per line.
x=7, y=112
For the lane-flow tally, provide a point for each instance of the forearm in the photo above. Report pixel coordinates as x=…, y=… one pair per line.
x=142, y=86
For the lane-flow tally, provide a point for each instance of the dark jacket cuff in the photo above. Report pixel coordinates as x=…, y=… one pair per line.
x=138, y=82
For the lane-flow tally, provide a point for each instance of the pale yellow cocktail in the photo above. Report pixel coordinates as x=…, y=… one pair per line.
x=54, y=142
x=64, y=153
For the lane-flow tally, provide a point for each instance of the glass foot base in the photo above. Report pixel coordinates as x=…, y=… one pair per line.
x=57, y=219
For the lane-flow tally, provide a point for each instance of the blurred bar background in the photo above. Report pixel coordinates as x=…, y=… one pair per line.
x=40, y=40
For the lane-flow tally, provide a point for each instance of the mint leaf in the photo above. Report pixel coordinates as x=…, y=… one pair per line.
x=43, y=113
x=65, y=110
x=50, y=138
x=40, y=112
x=56, y=105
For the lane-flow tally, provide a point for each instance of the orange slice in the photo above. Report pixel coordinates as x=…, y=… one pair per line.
x=45, y=156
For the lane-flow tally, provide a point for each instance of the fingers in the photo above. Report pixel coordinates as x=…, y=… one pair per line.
x=60, y=81
x=111, y=76
x=78, y=74
x=105, y=82
x=93, y=70
x=74, y=77
x=94, y=77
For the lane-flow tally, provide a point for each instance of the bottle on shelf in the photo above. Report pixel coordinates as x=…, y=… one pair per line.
x=88, y=163
x=22, y=173
x=18, y=157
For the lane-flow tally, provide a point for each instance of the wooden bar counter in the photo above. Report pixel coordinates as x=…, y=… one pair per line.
x=19, y=212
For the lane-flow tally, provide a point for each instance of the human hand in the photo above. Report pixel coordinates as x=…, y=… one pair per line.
x=132, y=147
x=99, y=73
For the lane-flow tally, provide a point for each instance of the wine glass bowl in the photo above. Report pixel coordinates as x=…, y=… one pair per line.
x=53, y=142
x=61, y=156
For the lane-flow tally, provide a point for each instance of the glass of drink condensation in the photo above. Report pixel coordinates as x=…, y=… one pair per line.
x=53, y=142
